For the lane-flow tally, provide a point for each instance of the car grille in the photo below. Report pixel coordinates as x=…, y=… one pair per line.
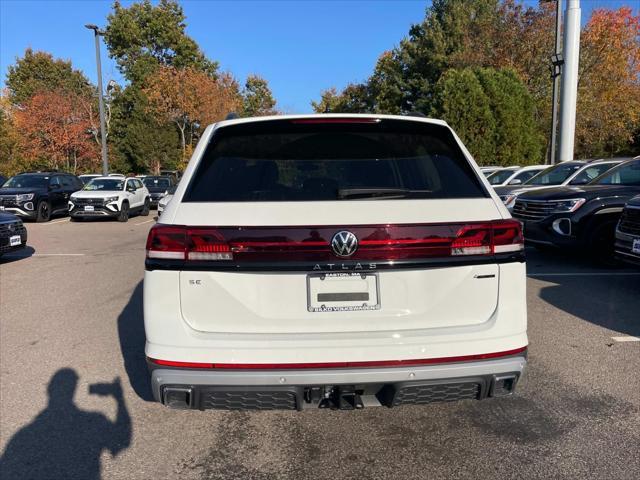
x=630, y=221
x=247, y=400
x=533, y=210
x=8, y=200
x=421, y=394
x=81, y=202
x=13, y=228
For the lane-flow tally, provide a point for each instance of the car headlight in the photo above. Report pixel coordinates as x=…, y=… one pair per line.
x=508, y=199
x=110, y=199
x=568, y=206
x=25, y=197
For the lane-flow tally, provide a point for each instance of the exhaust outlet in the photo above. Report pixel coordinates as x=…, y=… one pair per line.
x=503, y=385
x=177, y=397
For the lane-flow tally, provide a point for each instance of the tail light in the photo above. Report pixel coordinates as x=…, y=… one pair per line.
x=312, y=244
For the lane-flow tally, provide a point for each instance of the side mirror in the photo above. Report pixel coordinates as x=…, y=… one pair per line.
x=515, y=181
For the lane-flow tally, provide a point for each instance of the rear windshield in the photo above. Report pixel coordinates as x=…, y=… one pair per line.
x=287, y=160
x=555, y=175
x=157, y=182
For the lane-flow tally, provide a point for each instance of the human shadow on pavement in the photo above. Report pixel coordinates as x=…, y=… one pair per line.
x=612, y=302
x=132, y=340
x=64, y=442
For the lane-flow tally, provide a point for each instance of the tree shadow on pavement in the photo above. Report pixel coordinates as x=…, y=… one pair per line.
x=64, y=441
x=132, y=340
x=612, y=302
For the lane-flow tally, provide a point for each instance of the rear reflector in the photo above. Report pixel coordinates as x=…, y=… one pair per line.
x=368, y=364
x=376, y=243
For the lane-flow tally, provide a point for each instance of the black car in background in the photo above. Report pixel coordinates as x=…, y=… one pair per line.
x=37, y=196
x=579, y=218
x=628, y=233
x=2, y=179
x=158, y=186
x=13, y=234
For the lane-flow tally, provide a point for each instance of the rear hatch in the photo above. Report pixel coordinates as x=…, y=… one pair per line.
x=337, y=225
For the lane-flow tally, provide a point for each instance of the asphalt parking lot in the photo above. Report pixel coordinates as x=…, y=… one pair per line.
x=71, y=317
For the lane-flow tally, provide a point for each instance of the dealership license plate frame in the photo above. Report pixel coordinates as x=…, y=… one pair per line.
x=89, y=208
x=635, y=246
x=15, y=241
x=338, y=304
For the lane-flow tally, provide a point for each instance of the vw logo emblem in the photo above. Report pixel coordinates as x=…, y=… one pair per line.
x=344, y=244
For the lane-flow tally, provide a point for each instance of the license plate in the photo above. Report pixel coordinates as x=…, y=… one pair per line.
x=342, y=292
x=635, y=248
x=88, y=208
x=15, y=240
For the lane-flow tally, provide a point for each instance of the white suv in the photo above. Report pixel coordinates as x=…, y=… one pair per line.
x=336, y=261
x=111, y=196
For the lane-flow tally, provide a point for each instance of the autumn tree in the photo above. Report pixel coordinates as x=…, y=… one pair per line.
x=190, y=99
x=39, y=71
x=9, y=136
x=55, y=131
x=257, y=99
x=608, y=112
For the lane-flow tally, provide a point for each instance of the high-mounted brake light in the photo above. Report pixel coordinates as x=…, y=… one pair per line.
x=335, y=120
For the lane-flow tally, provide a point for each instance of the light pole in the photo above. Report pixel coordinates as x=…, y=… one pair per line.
x=556, y=70
x=103, y=130
x=569, y=96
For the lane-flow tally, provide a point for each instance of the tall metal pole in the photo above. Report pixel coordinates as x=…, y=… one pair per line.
x=556, y=66
x=569, y=95
x=103, y=128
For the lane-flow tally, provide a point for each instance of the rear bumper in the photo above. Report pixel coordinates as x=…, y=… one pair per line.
x=313, y=388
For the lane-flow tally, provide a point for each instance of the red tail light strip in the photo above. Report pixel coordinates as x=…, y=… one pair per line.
x=313, y=244
x=368, y=364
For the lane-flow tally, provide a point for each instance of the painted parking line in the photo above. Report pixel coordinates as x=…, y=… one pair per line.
x=142, y=223
x=626, y=338
x=53, y=222
x=45, y=255
x=584, y=274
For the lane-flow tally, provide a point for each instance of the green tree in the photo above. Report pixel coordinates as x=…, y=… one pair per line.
x=257, y=99
x=143, y=36
x=354, y=98
x=39, y=71
x=460, y=100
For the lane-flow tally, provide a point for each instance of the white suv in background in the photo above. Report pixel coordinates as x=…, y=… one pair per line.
x=338, y=261
x=111, y=196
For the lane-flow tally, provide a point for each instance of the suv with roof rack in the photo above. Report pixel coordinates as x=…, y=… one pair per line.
x=339, y=261
x=38, y=195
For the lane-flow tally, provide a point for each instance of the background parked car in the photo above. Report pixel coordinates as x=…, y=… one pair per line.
x=87, y=177
x=38, y=196
x=580, y=217
x=110, y=197
x=627, y=244
x=164, y=201
x=488, y=170
x=2, y=180
x=157, y=186
x=13, y=234
x=573, y=173
x=515, y=175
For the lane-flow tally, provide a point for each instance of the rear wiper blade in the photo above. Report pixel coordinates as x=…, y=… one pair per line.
x=378, y=192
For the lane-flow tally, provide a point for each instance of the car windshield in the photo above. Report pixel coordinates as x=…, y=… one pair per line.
x=108, y=184
x=153, y=182
x=625, y=174
x=500, y=176
x=312, y=161
x=590, y=173
x=555, y=175
x=27, y=181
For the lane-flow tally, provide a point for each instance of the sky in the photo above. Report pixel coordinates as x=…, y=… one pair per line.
x=300, y=47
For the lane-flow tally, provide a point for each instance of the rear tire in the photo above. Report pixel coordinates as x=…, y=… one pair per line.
x=146, y=208
x=124, y=212
x=43, y=213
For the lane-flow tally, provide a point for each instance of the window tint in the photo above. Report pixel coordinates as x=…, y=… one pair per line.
x=163, y=182
x=626, y=174
x=289, y=161
x=27, y=181
x=55, y=181
x=108, y=184
x=590, y=173
x=526, y=175
x=499, y=177
x=555, y=175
